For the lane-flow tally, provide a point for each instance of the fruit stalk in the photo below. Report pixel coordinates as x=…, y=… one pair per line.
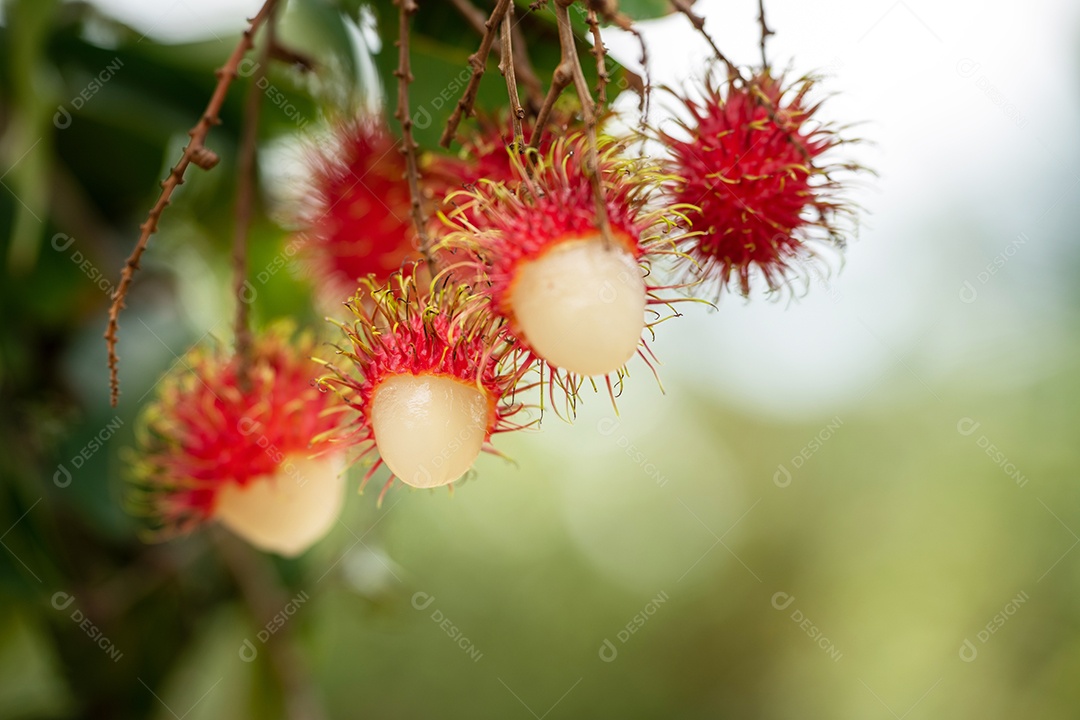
x=409, y=145
x=195, y=152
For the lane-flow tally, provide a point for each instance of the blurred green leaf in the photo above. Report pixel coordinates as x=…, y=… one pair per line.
x=32, y=685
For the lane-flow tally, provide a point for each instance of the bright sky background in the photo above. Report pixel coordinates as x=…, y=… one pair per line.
x=960, y=179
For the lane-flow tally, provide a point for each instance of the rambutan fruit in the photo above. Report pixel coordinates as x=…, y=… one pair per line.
x=248, y=451
x=354, y=213
x=755, y=164
x=574, y=297
x=431, y=376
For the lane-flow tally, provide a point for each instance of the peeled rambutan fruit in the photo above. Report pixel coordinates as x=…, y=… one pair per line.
x=250, y=452
x=574, y=297
x=431, y=376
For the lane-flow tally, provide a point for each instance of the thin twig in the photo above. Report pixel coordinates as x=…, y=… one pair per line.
x=534, y=89
x=266, y=598
x=609, y=12
x=765, y=32
x=698, y=22
x=570, y=59
x=195, y=152
x=602, y=76
x=506, y=67
x=478, y=61
x=408, y=144
x=245, y=196
x=562, y=77
x=523, y=69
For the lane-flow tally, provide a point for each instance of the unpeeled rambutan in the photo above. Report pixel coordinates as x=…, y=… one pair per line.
x=431, y=377
x=752, y=161
x=572, y=296
x=354, y=216
x=248, y=452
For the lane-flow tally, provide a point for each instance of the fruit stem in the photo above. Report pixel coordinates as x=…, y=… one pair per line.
x=506, y=67
x=698, y=22
x=478, y=61
x=408, y=144
x=765, y=32
x=523, y=69
x=570, y=65
x=195, y=152
x=245, y=176
x=602, y=76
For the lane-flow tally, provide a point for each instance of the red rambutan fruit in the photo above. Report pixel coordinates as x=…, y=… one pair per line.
x=574, y=298
x=354, y=215
x=753, y=163
x=251, y=455
x=431, y=376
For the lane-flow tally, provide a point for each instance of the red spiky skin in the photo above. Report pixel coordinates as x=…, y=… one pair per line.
x=485, y=155
x=751, y=163
x=205, y=429
x=355, y=216
x=441, y=331
x=506, y=224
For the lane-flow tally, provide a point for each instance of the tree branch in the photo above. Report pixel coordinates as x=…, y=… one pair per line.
x=572, y=62
x=245, y=196
x=698, y=22
x=195, y=152
x=478, y=61
x=601, y=58
x=506, y=67
x=409, y=145
x=765, y=32
x=534, y=89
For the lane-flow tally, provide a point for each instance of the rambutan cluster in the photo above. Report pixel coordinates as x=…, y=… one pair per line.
x=472, y=281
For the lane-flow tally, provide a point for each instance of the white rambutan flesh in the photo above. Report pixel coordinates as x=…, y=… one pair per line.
x=581, y=305
x=289, y=511
x=429, y=429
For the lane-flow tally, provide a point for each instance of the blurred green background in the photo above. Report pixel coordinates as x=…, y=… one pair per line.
x=859, y=505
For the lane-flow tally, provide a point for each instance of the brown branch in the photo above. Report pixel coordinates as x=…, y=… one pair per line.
x=266, y=598
x=195, y=152
x=478, y=61
x=765, y=32
x=609, y=11
x=562, y=77
x=698, y=22
x=408, y=144
x=601, y=59
x=506, y=67
x=245, y=196
x=534, y=89
x=570, y=59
